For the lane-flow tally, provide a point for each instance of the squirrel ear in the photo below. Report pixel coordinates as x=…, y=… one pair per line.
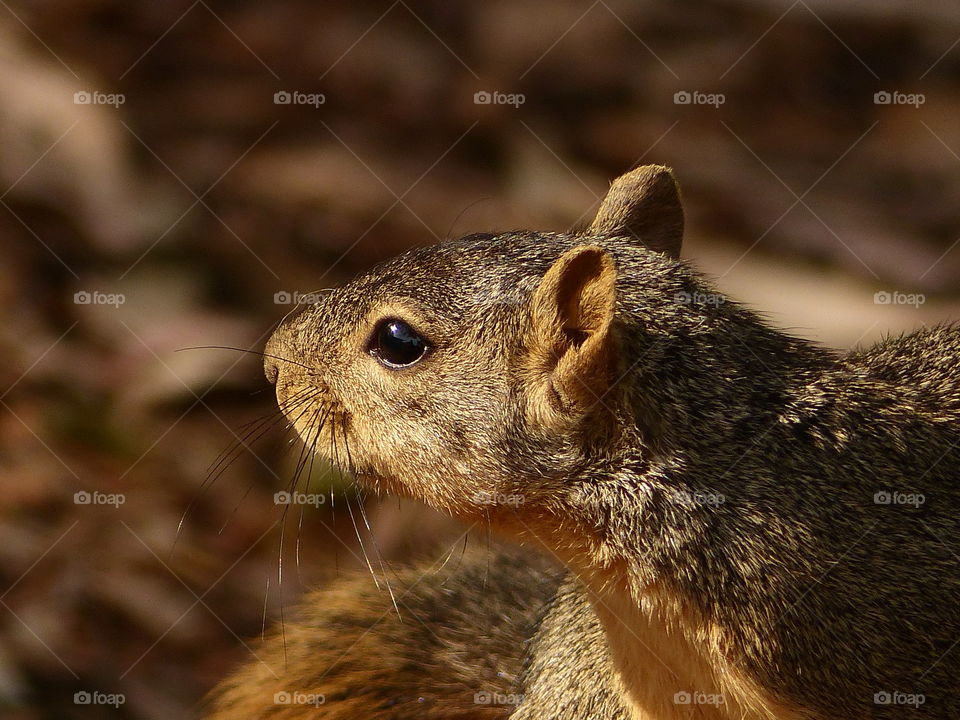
x=570, y=355
x=643, y=204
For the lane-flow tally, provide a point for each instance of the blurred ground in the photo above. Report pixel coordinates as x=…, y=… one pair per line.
x=158, y=193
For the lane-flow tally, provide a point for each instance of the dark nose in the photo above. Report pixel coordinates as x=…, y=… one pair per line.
x=273, y=354
x=271, y=369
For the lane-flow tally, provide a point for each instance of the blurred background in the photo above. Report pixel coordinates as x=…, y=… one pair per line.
x=171, y=174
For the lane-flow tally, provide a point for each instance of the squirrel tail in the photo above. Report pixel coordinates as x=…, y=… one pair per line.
x=456, y=650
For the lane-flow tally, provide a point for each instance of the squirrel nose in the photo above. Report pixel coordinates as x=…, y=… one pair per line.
x=272, y=355
x=271, y=369
x=283, y=348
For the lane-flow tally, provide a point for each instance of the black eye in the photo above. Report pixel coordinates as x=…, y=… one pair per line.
x=396, y=344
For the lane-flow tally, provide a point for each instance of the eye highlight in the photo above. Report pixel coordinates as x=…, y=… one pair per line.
x=397, y=345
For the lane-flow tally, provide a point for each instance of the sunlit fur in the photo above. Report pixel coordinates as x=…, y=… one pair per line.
x=797, y=595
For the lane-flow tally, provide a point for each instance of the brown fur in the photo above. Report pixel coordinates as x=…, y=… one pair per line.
x=459, y=634
x=611, y=391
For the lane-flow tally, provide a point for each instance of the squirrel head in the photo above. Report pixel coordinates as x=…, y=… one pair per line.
x=480, y=373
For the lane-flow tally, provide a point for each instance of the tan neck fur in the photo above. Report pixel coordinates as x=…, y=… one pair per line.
x=671, y=662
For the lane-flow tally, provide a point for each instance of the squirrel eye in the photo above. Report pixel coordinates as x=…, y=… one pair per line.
x=396, y=345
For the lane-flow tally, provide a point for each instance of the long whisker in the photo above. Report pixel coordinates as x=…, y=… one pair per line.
x=235, y=509
x=363, y=515
x=245, y=350
x=251, y=430
x=308, y=450
x=244, y=444
x=301, y=398
x=283, y=527
x=263, y=622
x=447, y=558
x=363, y=550
x=254, y=435
x=353, y=520
x=463, y=212
x=487, y=534
x=463, y=552
x=297, y=544
x=380, y=562
x=260, y=427
x=281, y=407
x=306, y=488
x=227, y=457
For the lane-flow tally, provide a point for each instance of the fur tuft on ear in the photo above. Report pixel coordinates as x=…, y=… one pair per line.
x=570, y=349
x=643, y=204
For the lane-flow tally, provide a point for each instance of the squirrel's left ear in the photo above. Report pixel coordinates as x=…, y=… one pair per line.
x=643, y=204
x=570, y=354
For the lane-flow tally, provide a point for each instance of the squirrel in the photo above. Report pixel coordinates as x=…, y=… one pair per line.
x=753, y=526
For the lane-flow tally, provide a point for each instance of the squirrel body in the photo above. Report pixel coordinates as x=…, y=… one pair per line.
x=762, y=528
